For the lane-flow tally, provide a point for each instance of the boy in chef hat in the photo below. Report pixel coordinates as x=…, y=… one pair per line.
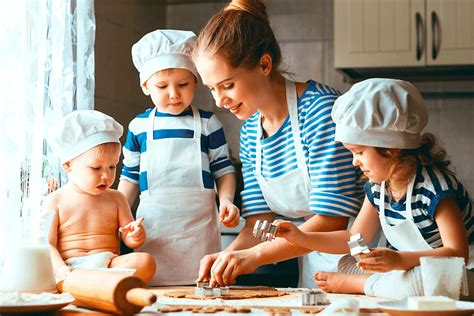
x=173, y=156
x=88, y=214
x=381, y=121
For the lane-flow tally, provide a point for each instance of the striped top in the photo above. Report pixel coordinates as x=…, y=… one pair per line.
x=214, y=149
x=430, y=187
x=334, y=186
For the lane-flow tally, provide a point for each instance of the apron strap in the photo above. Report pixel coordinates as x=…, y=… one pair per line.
x=408, y=200
x=292, y=103
x=149, y=138
x=258, y=147
x=197, y=140
x=151, y=125
x=197, y=123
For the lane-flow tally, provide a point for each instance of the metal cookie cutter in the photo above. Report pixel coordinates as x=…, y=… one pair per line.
x=199, y=290
x=357, y=245
x=264, y=230
x=203, y=289
x=314, y=297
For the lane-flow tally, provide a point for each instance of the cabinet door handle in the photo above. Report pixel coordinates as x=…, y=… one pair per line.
x=419, y=36
x=436, y=35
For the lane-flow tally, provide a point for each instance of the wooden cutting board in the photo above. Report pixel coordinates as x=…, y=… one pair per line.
x=234, y=293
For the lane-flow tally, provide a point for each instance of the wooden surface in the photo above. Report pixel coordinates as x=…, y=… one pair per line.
x=259, y=306
x=234, y=293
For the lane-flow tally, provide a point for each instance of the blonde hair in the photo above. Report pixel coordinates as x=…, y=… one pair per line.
x=240, y=34
x=430, y=153
x=108, y=148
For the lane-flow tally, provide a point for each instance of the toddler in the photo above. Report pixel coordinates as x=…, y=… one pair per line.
x=89, y=217
x=173, y=155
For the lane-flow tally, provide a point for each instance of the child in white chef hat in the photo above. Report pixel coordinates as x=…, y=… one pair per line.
x=380, y=121
x=88, y=214
x=173, y=155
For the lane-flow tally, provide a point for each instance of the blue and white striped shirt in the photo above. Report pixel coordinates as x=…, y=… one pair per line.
x=214, y=149
x=334, y=186
x=431, y=186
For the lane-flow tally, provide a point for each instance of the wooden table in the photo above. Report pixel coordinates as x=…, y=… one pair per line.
x=367, y=304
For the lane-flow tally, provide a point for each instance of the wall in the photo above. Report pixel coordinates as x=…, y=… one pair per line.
x=305, y=31
x=120, y=23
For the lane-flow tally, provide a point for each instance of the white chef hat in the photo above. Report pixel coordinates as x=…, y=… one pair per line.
x=163, y=49
x=386, y=113
x=82, y=130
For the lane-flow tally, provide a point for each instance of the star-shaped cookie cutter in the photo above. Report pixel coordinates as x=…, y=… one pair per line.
x=264, y=230
x=357, y=246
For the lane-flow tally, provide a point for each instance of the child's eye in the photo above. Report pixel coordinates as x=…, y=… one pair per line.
x=228, y=86
x=95, y=168
x=183, y=84
x=161, y=87
x=113, y=167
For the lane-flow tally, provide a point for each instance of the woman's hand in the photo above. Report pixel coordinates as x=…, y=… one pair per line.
x=229, y=214
x=289, y=231
x=205, y=267
x=381, y=260
x=230, y=264
x=224, y=267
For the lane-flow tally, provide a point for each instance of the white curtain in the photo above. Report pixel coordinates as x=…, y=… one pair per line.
x=47, y=71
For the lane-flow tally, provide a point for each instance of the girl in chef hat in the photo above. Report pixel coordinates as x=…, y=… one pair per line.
x=173, y=156
x=411, y=194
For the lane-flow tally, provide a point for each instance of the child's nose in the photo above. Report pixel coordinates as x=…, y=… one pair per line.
x=355, y=161
x=105, y=175
x=174, y=94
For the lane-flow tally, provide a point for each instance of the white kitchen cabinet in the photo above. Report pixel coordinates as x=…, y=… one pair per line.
x=403, y=33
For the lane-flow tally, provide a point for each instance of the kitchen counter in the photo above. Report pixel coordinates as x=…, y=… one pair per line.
x=368, y=305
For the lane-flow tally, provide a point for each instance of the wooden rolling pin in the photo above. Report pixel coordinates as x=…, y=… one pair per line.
x=112, y=292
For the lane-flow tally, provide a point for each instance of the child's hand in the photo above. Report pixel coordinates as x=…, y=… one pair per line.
x=134, y=231
x=62, y=272
x=381, y=260
x=229, y=214
x=289, y=231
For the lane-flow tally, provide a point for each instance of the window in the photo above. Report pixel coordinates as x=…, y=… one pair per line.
x=47, y=71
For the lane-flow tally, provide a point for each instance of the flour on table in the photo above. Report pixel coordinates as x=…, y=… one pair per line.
x=19, y=298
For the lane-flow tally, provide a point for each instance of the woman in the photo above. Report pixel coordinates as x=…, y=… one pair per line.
x=290, y=162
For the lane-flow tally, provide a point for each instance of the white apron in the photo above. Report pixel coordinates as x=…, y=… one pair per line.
x=406, y=236
x=180, y=214
x=288, y=195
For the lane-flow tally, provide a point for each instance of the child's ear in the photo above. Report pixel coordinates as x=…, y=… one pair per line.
x=67, y=166
x=145, y=89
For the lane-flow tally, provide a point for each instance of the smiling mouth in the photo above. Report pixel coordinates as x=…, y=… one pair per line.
x=235, y=108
